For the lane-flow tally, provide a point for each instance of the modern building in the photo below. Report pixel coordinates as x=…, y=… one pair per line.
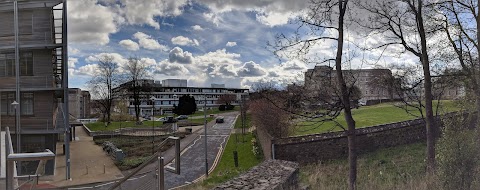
x=167, y=93
x=33, y=77
x=367, y=80
x=79, y=103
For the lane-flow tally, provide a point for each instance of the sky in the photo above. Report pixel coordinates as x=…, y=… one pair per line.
x=203, y=41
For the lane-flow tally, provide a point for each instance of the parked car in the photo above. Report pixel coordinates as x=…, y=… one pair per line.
x=170, y=119
x=220, y=120
x=181, y=117
x=161, y=119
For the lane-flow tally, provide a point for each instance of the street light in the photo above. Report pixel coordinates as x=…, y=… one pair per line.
x=153, y=124
x=205, y=130
x=17, y=128
x=17, y=131
x=174, y=125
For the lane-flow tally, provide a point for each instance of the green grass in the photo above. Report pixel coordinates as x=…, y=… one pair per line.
x=248, y=122
x=392, y=168
x=369, y=116
x=100, y=126
x=226, y=169
x=214, y=111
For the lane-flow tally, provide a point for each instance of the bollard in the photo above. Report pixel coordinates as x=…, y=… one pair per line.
x=86, y=168
x=235, y=158
x=103, y=168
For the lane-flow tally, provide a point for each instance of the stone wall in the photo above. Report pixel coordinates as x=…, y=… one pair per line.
x=334, y=145
x=270, y=174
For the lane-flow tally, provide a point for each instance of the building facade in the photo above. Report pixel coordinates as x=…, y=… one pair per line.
x=32, y=74
x=367, y=81
x=79, y=103
x=165, y=96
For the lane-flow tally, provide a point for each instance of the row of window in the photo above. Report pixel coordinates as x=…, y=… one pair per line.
x=26, y=103
x=7, y=64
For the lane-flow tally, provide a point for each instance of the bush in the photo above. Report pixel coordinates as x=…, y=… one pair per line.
x=229, y=107
x=222, y=108
x=457, y=155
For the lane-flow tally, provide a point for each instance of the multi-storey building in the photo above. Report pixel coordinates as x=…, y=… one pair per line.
x=33, y=80
x=167, y=93
x=365, y=79
x=79, y=103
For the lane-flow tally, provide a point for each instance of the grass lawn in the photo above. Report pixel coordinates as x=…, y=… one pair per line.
x=100, y=126
x=226, y=169
x=401, y=167
x=213, y=111
x=367, y=116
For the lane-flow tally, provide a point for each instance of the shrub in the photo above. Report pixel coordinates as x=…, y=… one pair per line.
x=457, y=155
x=222, y=108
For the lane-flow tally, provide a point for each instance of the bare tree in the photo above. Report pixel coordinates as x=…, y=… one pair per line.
x=102, y=84
x=461, y=26
x=226, y=99
x=401, y=23
x=325, y=20
x=136, y=73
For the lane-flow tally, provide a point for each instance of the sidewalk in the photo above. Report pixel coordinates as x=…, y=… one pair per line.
x=84, y=155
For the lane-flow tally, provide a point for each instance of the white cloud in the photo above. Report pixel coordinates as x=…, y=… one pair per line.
x=130, y=45
x=177, y=55
x=144, y=12
x=269, y=12
x=251, y=69
x=71, y=62
x=197, y=28
x=148, y=42
x=167, y=68
x=90, y=22
x=231, y=44
x=184, y=41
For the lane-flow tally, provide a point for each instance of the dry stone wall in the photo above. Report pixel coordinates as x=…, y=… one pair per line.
x=334, y=145
x=270, y=174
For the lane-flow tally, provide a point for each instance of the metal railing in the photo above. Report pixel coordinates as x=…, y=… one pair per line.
x=12, y=158
x=144, y=182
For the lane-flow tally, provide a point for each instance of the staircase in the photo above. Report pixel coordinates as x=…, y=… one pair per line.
x=57, y=38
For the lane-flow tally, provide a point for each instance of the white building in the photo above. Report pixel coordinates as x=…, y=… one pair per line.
x=167, y=94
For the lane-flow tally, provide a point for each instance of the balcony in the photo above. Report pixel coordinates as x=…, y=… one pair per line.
x=28, y=82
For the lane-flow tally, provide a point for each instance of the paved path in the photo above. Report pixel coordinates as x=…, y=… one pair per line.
x=84, y=153
x=192, y=159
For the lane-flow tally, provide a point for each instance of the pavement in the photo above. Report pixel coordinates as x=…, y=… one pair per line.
x=192, y=159
x=87, y=163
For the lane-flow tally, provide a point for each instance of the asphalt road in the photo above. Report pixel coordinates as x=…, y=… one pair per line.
x=192, y=164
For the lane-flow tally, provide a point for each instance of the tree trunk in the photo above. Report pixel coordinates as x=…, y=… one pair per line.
x=477, y=78
x=352, y=154
x=431, y=126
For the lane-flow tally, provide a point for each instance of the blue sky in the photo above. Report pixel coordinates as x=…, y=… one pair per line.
x=203, y=41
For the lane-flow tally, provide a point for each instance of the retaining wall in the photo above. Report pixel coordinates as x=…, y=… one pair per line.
x=270, y=174
x=334, y=145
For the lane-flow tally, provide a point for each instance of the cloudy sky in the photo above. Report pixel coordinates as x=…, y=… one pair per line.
x=204, y=41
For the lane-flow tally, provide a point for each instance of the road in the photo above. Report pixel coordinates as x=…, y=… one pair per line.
x=192, y=164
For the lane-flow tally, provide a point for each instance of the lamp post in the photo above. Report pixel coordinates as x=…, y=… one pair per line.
x=17, y=128
x=205, y=130
x=153, y=124
x=174, y=125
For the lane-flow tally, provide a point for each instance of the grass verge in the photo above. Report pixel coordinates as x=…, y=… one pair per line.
x=401, y=167
x=226, y=169
x=367, y=116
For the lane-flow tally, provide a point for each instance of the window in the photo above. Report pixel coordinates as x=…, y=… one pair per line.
x=27, y=103
x=26, y=100
x=7, y=64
